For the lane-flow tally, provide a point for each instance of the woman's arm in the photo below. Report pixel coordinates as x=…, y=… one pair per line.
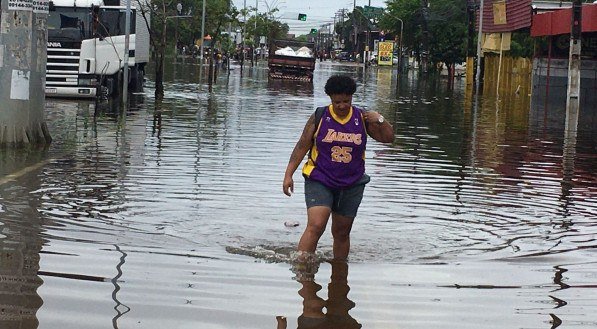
x=381, y=132
x=301, y=148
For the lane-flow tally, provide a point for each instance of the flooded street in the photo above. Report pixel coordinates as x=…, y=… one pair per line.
x=172, y=215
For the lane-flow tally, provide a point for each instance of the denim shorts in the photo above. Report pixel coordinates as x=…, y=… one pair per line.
x=344, y=202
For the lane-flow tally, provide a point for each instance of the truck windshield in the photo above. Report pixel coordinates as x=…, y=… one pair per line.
x=69, y=24
x=113, y=22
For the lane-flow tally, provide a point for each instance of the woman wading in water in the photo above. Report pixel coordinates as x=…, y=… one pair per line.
x=336, y=136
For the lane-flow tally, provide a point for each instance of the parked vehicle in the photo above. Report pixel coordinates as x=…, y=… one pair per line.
x=86, y=43
x=344, y=56
x=290, y=59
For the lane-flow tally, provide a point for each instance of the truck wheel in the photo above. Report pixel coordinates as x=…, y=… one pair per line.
x=114, y=84
x=109, y=86
x=136, y=81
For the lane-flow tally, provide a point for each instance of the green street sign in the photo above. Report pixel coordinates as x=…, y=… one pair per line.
x=302, y=17
x=372, y=12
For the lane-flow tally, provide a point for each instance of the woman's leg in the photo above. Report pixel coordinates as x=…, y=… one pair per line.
x=341, y=227
x=317, y=219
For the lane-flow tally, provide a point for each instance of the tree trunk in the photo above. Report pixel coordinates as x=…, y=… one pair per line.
x=23, y=56
x=159, y=65
x=159, y=74
x=450, y=68
x=210, y=75
x=217, y=70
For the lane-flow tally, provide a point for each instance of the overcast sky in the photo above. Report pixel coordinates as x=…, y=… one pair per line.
x=318, y=11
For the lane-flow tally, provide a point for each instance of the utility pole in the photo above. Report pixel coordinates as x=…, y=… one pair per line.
x=127, y=38
x=178, y=13
x=399, y=45
x=256, y=34
x=242, y=36
x=23, y=57
x=425, y=40
x=573, y=93
x=334, y=35
x=479, y=50
x=354, y=18
x=368, y=40
x=202, y=41
x=470, y=61
x=572, y=99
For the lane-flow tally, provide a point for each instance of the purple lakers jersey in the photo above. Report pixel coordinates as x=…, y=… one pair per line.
x=337, y=158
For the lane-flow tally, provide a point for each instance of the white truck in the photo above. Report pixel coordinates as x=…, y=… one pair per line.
x=86, y=41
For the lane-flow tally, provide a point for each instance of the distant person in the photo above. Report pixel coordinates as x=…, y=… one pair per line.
x=225, y=61
x=335, y=170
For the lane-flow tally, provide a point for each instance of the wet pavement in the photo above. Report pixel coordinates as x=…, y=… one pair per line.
x=481, y=214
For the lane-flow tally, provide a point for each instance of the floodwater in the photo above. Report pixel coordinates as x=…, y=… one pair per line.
x=482, y=214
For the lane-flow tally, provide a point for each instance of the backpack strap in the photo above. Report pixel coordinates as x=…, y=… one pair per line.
x=319, y=114
x=317, y=118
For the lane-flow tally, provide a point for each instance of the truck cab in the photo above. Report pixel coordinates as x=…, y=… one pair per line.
x=86, y=44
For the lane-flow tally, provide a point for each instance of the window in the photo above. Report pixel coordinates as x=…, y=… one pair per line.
x=112, y=22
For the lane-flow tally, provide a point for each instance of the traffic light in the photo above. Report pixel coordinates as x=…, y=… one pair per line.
x=302, y=17
x=313, y=31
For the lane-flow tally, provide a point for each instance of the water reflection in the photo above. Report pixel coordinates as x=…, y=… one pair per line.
x=20, y=244
x=171, y=184
x=337, y=305
x=120, y=308
x=289, y=88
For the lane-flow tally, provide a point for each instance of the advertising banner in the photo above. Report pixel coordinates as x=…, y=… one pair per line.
x=386, y=48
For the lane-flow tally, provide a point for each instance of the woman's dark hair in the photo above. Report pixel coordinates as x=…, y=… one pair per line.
x=340, y=85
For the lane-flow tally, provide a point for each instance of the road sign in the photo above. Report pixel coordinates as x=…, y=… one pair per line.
x=372, y=12
x=302, y=17
x=385, y=51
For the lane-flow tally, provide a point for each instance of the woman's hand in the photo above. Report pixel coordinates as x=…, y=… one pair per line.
x=378, y=128
x=371, y=117
x=288, y=185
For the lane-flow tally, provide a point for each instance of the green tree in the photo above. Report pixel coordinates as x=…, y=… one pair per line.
x=448, y=32
x=446, y=21
x=302, y=37
x=409, y=12
x=163, y=17
x=268, y=25
x=355, y=23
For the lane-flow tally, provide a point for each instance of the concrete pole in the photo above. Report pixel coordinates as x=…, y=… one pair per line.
x=425, y=37
x=202, y=41
x=242, y=35
x=256, y=35
x=470, y=61
x=399, y=45
x=178, y=14
x=573, y=93
x=23, y=56
x=127, y=38
x=479, y=40
x=355, y=50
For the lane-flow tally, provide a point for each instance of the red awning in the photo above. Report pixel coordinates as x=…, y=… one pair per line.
x=560, y=21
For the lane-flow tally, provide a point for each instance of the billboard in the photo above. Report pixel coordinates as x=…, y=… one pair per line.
x=385, y=51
